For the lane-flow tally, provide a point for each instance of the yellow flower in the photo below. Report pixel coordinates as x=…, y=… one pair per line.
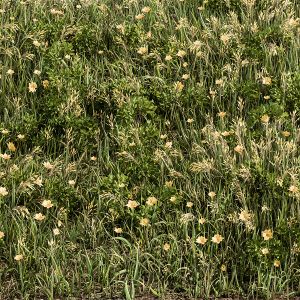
x=173, y=199
x=179, y=86
x=169, y=183
x=71, y=182
x=48, y=165
x=142, y=50
x=190, y=121
x=151, y=201
x=265, y=251
x=2, y=235
x=168, y=58
x=144, y=222
x=245, y=216
x=212, y=194
x=39, y=217
x=267, y=234
x=139, y=16
x=45, y=84
x=217, y=238
x=132, y=204
x=189, y=204
x=225, y=133
x=5, y=156
x=36, y=43
x=10, y=72
x=267, y=97
x=185, y=76
x=32, y=87
x=239, y=149
x=202, y=221
x=222, y=114
x=285, y=133
x=181, y=53
x=201, y=240
x=5, y=131
x=56, y=231
x=223, y=268
x=166, y=247
x=11, y=146
x=146, y=9
x=293, y=189
x=219, y=81
x=18, y=257
x=265, y=118
x=47, y=203
x=21, y=136
x=3, y=191
x=118, y=230
x=93, y=158
x=266, y=80
x=276, y=263
x=168, y=145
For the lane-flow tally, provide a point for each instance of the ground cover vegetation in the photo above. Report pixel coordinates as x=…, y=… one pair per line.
x=149, y=147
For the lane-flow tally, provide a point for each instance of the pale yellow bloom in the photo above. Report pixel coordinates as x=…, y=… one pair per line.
x=265, y=118
x=185, y=76
x=47, y=203
x=142, y=50
x=267, y=234
x=2, y=235
x=39, y=217
x=239, y=149
x=266, y=80
x=5, y=156
x=168, y=145
x=223, y=268
x=56, y=231
x=139, y=16
x=201, y=240
x=166, y=247
x=132, y=204
x=48, y=165
x=11, y=146
x=21, y=136
x=190, y=121
x=151, y=201
x=181, y=53
x=169, y=183
x=10, y=72
x=32, y=86
x=222, y=114
x=217, y=238
x=202, y=221
x=144, y=222
x=71, y=182
x=219, y=81
x=45, y=84
x=286, y=133
x=18, y=257
x=118, y=230
x=93, y=158
x=265, y=251
x=276, y=263
x=146, y=9
x=3, y=191
x=173, y=199
x=189, y=204
x=168, y=58
x=212, y=194
x=36, y=43
x=179, y=86
x=293, y=189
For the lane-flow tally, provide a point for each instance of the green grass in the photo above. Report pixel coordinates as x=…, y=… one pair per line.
x=194, y=103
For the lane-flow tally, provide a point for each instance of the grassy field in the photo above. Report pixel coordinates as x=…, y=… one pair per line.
x=149, y=147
